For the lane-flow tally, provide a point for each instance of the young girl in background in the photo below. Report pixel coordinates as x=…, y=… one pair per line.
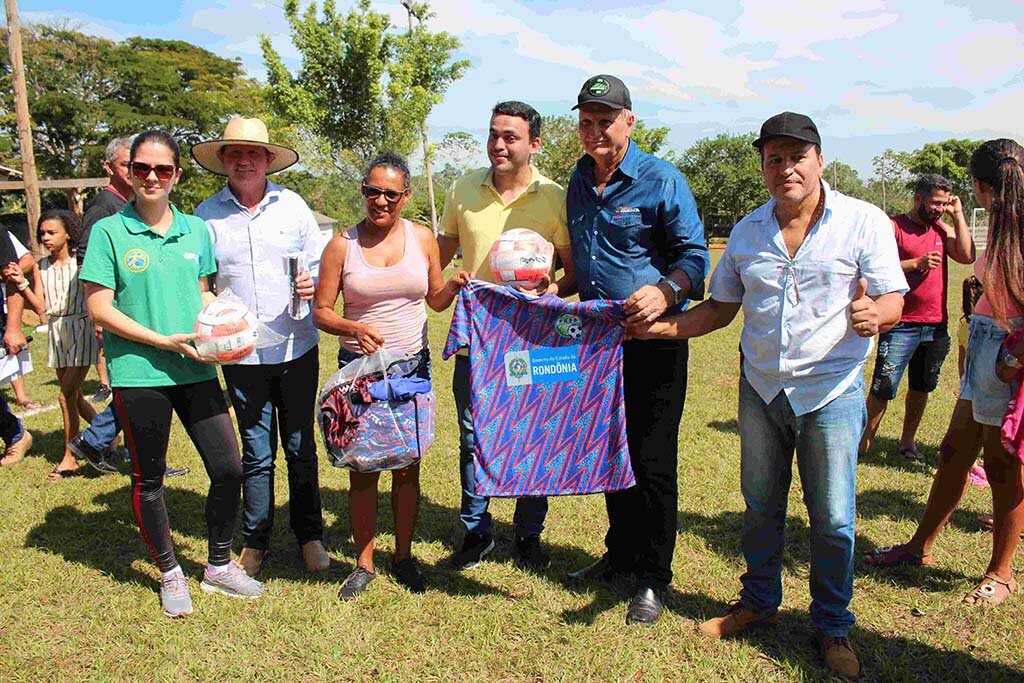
x=72, y=344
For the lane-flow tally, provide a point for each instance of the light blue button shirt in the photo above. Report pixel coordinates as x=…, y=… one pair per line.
x=797, y=335
x=250, y=249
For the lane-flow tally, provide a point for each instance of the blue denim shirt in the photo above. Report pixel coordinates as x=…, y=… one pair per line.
x=644, y=226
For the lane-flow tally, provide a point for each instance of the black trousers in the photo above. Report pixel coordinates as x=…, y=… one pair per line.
x=642, y=520
x=145, y=414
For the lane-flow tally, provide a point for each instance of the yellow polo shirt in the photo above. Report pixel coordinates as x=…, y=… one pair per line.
x=475, y=215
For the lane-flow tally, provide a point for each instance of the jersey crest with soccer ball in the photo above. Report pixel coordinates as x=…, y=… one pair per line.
x=546, y=392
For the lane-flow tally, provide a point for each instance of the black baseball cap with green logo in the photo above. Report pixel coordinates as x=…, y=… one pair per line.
x=605, y=90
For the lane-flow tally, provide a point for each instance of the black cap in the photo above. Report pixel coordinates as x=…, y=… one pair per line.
x=606, y=90
x=788, y=125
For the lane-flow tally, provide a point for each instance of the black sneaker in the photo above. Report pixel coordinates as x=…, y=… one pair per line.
x=529, y=553
x=407, y=573
x=81, y=449
x=475, y=548
x=355, y=584
x=102, y=394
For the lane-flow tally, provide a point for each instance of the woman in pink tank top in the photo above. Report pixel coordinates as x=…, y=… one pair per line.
x=997, y=169
x=385, y=269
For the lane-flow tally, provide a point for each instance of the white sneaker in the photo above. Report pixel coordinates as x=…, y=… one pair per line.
x=174, y=597
x=231, y=581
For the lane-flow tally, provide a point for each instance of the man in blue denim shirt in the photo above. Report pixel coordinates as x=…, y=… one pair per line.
x=817, y=275
x=636, y=236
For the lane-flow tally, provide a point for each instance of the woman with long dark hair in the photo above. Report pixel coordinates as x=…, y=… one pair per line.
x=146, y=272
x=997, y=171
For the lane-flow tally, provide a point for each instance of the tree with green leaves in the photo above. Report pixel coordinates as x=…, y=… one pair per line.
x=85, y=90
x=949, y=158
x=725, y=176
x=361, y=87
x=561, y=147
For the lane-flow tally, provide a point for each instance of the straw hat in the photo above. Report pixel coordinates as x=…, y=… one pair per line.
x=241, y=131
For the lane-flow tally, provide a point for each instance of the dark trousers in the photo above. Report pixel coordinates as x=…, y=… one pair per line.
x=642, y=520
x=290, y=389
x=145, y=413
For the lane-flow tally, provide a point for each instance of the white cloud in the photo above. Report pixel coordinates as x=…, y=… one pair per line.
x=796, y=25
x=988, y=52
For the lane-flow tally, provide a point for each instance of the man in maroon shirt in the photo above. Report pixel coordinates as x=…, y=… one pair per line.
x=920, y=340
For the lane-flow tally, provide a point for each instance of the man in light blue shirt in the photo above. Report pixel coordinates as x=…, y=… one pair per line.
x=255, y=225
x=817, y=274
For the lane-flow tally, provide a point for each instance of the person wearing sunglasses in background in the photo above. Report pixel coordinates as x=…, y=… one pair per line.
x=384, y=268
x=146, y=279
x=255, y=225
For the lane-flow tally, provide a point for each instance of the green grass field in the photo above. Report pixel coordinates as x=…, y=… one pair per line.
x=78, y=592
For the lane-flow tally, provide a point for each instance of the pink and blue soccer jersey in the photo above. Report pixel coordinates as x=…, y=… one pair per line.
x=545, y=391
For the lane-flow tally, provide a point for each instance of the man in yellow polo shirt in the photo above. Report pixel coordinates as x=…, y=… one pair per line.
x=480, y=206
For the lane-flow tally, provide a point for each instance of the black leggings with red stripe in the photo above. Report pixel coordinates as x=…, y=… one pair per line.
x=145, y=415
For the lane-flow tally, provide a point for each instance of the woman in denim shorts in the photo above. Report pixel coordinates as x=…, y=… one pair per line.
x=997, y=171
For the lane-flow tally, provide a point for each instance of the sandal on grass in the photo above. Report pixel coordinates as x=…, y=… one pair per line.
x=991, y=592
x=912, y=454
x=896, y=555
x=57, y=474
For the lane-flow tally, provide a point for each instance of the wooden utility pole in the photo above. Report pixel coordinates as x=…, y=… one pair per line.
x=28, y=157
x=410, y=10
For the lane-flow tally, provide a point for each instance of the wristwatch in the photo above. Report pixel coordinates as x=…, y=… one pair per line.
x=1011, y=361
x=677, y=291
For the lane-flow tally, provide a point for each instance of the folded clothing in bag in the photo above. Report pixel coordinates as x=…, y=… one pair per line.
x=398, y=389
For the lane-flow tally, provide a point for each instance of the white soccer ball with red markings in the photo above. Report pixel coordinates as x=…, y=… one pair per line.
x=521, y=258
x=227, y=331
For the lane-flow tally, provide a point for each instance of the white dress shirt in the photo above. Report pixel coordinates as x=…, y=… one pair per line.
x=250, y=250
x=797, y=335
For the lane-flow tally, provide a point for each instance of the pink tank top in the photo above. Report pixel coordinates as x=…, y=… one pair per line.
x=390, y=298
x=983, y=307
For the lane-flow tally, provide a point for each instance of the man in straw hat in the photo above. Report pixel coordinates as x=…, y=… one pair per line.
x=255, y=226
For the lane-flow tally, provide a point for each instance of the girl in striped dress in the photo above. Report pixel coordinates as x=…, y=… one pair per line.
x=72, y=344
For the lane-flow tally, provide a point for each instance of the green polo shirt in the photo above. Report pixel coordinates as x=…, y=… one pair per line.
x=155, y=279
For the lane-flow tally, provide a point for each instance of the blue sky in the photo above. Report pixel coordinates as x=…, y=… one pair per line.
x=872, y=74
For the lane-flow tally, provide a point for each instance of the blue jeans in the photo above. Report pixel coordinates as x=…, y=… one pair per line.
x=921, y=346
x=825, y=442
x=10, y=426
x=530, y=512
x=290, y=389
x=103, y=430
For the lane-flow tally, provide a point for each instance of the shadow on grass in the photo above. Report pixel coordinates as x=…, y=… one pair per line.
x=722, y=535
x=901, y=504
x=50, y=447
x=109, y=540
x=725, y=426
x=884, y=657
x=885, y=452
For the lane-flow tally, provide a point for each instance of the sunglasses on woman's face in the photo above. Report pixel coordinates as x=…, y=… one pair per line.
x=391, y=196
x=164, y=172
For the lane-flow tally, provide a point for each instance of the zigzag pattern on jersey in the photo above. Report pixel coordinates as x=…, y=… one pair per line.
x=562, y=438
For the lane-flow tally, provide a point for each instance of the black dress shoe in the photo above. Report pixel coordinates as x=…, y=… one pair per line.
x=646, y=606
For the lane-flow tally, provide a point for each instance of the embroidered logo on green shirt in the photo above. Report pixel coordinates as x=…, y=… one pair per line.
x=136, y=260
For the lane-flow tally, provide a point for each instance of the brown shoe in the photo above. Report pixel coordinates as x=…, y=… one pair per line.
x=250, y=560
x=314, y=557
x=16, y=451
x=736, y=619
x=839, y=657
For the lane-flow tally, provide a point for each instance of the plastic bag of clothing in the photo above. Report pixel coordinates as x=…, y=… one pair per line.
x=365, y=434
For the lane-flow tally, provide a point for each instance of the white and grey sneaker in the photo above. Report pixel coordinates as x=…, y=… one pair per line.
x=231, y=581
x=174, y=597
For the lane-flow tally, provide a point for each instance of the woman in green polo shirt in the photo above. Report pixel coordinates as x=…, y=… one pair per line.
x=145, y=275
